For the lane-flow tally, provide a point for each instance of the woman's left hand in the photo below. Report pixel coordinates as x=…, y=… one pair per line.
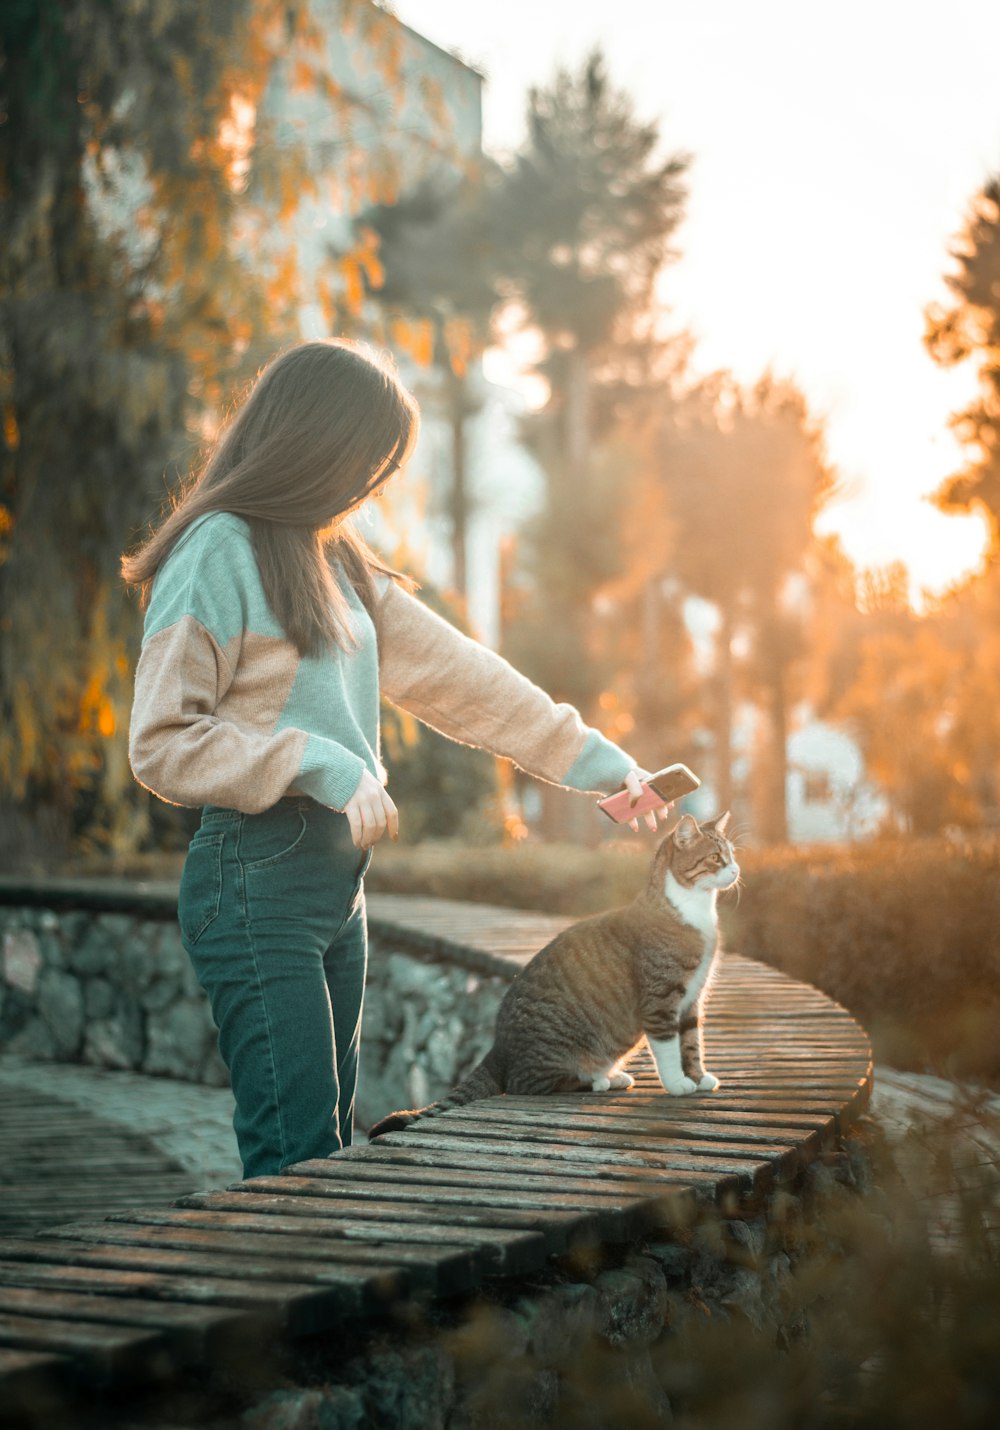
x=633, y=783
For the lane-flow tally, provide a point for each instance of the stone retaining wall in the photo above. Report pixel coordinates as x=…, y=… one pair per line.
x=116, y=990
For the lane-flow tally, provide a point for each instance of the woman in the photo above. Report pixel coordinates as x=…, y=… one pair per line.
x=270, y=631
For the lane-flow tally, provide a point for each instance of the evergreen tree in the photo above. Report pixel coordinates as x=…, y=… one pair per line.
x=583, y=221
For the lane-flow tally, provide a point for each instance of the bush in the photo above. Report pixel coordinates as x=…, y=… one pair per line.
x=906, y=935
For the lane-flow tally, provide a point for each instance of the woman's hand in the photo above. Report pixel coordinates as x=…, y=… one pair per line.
x=370, y=813
x=633, y=783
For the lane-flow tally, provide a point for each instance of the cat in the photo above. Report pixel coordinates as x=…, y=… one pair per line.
x=572, y=1016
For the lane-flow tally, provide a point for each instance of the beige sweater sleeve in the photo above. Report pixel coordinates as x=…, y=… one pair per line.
x=466, y=691
x=181, y=749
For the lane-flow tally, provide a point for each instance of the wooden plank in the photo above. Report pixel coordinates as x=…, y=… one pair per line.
x=269, y=1306
x=739, y=1172
x=105, y=1354
x=466, y=1191
x=557, y=1225
x=191, y=1332
x=640, y=1129
x=494, y=1249
x=630, y=1109
x=34, y=1386
x=450, y=1271
x=649, y=1099
x=632, y=1177
x=663, y=1152
x=341, y=1290
x=465, y=1167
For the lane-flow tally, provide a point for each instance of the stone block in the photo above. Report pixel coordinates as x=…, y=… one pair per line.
x=94, y=953
x=160, y=994
x=22, y=960
x=410, y=977
x=60, y=1006
x=33, y=1040
x=178, y=1040
x=441, y=1049
x=118, y=929
x=675, y=1258
x=374, y=1018
x=747, y=1241
x=560, y=1322
x=742, y=1291
x=98, y=999
x=114, y=1042
x=631, y=1302
x=214, y=1072
x=409, y=1389
x=137, y=963
x=332, y=1408
x=418, y=1086
x=75, y=926
x=53, y=949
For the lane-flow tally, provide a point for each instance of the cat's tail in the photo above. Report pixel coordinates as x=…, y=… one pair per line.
x=483, y=1081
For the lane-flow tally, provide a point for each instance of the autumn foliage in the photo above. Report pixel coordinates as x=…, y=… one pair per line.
x=161, y=166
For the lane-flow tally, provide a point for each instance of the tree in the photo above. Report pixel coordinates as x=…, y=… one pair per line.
x=138, y=167
x=583, y=220
x=436, y=286
x=742, y=476
x=969, y=331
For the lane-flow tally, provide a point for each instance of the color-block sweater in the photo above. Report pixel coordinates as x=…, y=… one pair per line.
x=227, y=711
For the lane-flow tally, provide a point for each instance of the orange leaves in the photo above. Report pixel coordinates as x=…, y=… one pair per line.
x=460, y=341
x=360, y=264
x=303, y=76
x=414, y=336
x=11, y=431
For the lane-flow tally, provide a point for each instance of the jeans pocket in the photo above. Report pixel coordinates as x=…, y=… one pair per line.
x=200, y=896
x=269, y=839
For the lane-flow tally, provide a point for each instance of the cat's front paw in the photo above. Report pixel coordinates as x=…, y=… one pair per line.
x=681, y=1086
x=622, y=1079
x=708, y=1082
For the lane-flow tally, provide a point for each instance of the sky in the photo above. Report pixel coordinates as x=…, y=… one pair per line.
x=836, y=149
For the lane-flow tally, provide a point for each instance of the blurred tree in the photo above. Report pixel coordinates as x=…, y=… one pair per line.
x=741, y=477
x=582, y=222
x=969, y=331
x=902, y=706
x=137, y=170
x=650, y=698
x=438, y=269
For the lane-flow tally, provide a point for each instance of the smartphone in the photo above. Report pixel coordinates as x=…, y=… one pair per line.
x=662, y=788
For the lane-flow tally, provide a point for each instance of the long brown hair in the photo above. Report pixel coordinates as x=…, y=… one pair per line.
x=323, y=426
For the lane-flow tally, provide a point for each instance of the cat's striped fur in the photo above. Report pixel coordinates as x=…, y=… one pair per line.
x=573, y=1015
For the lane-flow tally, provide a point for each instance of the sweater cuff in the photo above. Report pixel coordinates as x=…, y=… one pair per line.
x=330, y=772
x=600, y=767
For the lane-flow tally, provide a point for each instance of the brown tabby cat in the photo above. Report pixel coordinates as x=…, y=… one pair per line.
x=574, y=1013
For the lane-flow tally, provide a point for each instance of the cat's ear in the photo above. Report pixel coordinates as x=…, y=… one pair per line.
x=720, y=823
x=686, y=831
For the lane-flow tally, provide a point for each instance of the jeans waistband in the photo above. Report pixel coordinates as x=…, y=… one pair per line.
x=219, y=814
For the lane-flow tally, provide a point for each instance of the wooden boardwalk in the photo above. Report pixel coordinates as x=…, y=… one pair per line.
x=488, y=1190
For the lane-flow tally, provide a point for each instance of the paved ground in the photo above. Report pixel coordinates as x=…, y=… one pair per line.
x=115, y=1139
x=77, y=1142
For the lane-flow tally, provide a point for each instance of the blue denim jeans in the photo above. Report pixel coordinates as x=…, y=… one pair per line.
x=272, y=914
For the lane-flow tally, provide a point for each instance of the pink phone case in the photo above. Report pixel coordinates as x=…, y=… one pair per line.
x=659, y=789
